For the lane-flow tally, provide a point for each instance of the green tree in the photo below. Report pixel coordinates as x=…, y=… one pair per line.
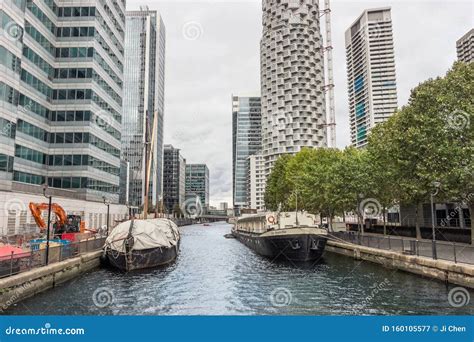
x=278, y=187
x=430, y=139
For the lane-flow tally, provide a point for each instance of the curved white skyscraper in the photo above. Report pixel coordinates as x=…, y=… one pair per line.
x=292, y=76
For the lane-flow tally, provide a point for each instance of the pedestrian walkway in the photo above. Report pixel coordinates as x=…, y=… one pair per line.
x=450, y=251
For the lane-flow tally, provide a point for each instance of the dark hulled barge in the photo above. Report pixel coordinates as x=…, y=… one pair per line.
x=139, y=244
x=285, y=235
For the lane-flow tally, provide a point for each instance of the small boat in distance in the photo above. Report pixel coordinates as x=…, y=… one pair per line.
x=293, y=236
x=139, y=244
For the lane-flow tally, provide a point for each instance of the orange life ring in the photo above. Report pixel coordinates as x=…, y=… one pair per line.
x=271, y=220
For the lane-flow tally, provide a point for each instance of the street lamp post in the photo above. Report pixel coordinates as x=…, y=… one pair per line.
x=360, y=215
x=50, y=199
x=433, y=219
x=108, y=213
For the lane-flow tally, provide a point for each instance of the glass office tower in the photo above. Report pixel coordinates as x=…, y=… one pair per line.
x=197, y=183
x=61, y=81
x=143, y=99
x=246, y=141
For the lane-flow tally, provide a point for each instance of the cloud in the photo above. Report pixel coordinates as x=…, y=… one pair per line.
x=203, y=73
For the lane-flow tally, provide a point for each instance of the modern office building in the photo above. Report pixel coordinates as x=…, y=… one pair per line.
x=124, y=182
x=371, y=73
x=143, y=103
x=197, y=183
x=256, y=182
x=246, y=140
x=174, y=178
x=292, y=79
x=61, y=87
x=465, y=47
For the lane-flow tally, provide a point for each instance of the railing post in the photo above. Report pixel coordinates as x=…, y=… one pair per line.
x=31, y=259
x=417, y=248
x=454, y=251
x=11, y=264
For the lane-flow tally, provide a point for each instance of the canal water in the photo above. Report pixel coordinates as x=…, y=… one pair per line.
x=218, y=276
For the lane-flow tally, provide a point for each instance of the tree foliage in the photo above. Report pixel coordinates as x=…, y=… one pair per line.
x=430, y=139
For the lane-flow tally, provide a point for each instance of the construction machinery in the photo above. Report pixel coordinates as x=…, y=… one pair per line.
x=64, y=223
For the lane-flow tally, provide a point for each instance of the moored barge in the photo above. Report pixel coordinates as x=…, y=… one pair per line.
x=285, y=235
x=139, y=244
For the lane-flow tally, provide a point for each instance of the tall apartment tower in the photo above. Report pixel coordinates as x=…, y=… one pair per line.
x=292, y=76
x=465, y=47
x=142, y=100
x=197, y=183
x=61, y=81
x=371, y=73
x=246, y=140
x=174, y=178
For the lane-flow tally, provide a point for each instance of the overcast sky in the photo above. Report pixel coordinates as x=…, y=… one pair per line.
x=213, y=52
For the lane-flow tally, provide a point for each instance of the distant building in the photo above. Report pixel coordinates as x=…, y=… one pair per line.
x=246, y=140
x=174, y=178
x=197, y=183
x=256, y=182
x=224, y=206
x=465, y=47
x=370, y=72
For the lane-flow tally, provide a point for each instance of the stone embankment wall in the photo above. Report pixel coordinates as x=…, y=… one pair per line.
x=447, y=271
x=18, y=287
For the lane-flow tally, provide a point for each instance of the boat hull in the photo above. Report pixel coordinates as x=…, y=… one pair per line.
x=298, y=246
x=142, y=259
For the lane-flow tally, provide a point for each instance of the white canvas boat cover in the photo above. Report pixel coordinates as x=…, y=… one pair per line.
x=146, y=234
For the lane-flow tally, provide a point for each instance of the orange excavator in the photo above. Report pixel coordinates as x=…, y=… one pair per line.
x=64, y=223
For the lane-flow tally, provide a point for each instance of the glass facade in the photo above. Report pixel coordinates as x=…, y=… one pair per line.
x=246, y=141
x=61, y=96
x=142, y=101
x=174, y=173
x=197, y=183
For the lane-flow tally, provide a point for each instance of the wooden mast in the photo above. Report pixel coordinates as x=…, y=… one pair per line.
x=149, y=145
